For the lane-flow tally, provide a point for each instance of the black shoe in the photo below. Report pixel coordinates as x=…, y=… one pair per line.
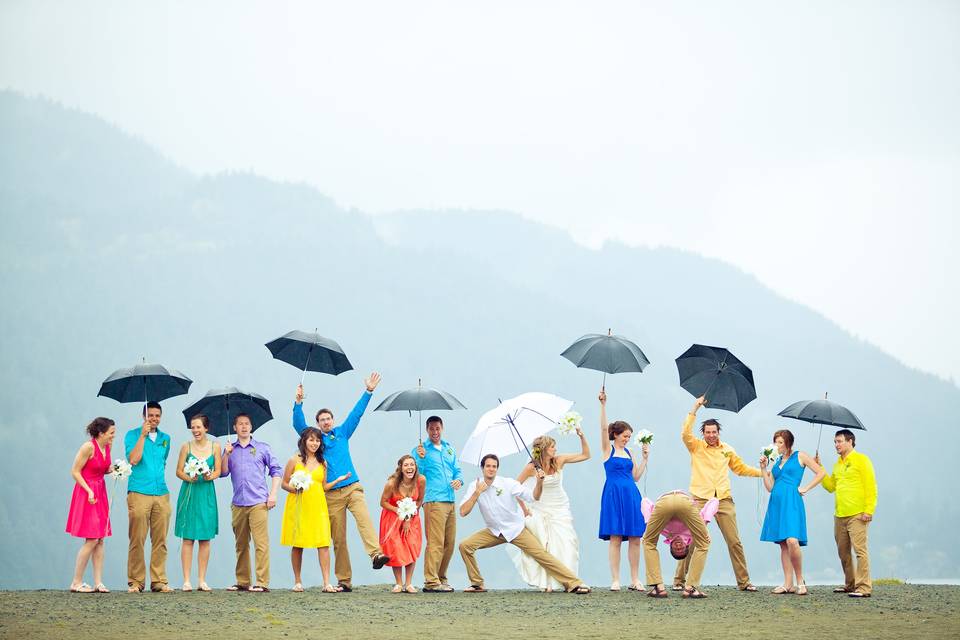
x=379, y=560
x=343, y=587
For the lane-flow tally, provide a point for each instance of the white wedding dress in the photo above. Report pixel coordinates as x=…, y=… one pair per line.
x=552, y=523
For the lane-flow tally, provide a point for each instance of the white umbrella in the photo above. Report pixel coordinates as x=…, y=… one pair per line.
x=509, y=427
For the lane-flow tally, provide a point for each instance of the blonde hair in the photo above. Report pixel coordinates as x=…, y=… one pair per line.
x=540, y=446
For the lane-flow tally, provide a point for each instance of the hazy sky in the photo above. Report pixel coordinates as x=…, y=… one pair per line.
x=813, y=144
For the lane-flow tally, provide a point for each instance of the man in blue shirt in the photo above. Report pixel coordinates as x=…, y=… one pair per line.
x=346, y=495
x=438, y=463
x=148, y=501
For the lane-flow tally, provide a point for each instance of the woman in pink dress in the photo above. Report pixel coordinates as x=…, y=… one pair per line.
x=89, y=516
x=401, y=539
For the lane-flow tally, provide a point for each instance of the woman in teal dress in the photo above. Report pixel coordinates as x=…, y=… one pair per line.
x=197, y=518
x=786, y=519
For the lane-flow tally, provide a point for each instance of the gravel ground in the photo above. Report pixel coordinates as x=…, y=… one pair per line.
x=372, y=613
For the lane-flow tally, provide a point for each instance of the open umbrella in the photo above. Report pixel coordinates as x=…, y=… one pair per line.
x=821, y=412
x=144, y=383
x=221, y=406
x=606, y=353
x=717, y=374
x=310, y=351
x=419, y=400
x=506, y=429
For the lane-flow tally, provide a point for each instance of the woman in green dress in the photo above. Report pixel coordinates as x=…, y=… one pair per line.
x=197, y=503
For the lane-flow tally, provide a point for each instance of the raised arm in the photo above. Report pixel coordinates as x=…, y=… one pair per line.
x=767, y=476
x=741, y=468
x=225, y=460
x=353, y=420
x=135, y=447
x=467, y=505
x=604, y=431
x=299, y=421
x=572, y=458
x=818, y=472
x=686, y=433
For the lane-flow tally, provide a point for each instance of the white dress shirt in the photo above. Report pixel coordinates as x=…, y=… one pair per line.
x=499, y=508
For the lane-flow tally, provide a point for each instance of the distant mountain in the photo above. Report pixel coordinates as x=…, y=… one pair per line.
x=110, y=253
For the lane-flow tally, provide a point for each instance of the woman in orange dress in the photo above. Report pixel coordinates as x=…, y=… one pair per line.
x=401, y=538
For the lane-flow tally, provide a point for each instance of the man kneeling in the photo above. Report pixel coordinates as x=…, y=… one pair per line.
x=503, y=516
x=675, y=516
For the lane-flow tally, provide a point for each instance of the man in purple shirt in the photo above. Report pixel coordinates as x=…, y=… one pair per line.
x=247, y=461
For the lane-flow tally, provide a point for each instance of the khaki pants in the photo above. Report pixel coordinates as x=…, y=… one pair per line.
x=679, y=507
x=851, y=532
x=251, y=522
x=339, y=501
x=526, y=542
x=727, y=522
x=441, y=526
x=147, y=514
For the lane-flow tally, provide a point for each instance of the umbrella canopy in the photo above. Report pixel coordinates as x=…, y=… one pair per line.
x=607, y=353
x=717, y=374
x=508, y=428
x=309, y=351
x=823, y=412
x=221, y=406
x=144, y=383
x=418, y=400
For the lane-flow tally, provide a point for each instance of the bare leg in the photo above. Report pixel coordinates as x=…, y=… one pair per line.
x=186, y=560
x=296, y=561
x=409, y=578
x=83, y=556
x=785, y=563
x=203, y=558
x=796, y=559
x=398, y=575
x=98, y=563
x=324, y=554
x=613, y=554
x=634, y=544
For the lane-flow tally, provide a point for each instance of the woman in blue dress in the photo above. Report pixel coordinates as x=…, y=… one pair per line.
x=786, y=519
x=620, y=515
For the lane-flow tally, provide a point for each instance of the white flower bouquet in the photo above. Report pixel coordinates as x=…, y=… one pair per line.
x=570, y=422
x=643, y=437
x=301, y=480
x=120, y=469
x=769, y=452
x=406, y=508
x=192, y=467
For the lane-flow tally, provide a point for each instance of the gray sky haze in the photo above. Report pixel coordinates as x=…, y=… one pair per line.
x=815, y=145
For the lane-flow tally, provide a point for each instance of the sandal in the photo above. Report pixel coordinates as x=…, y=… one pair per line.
x=187, y=587
x=581, y=589
x=858, y=594
x=133, y=589
x=297, y=588
x=83, y=587
x=636, y=587
x=203, y=586
x=410, y=589
x=239, y=587
x=695, y=593
x=101, y=588
x=657, y=591
x=329, y=588
x=842, y=590
x=258, y=588
x=749, y=588
x=781, y=590
x=614, y=586
x=344, y=587
x=677, y=587
x=475, y=588
x=801, y=589
x=396, y=589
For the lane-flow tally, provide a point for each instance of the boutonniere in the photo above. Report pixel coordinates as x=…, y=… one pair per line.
x=332, y=435
x=253, y=451
x=165, y=443
x=727, y=454
x=499, y=490
x=449, y=451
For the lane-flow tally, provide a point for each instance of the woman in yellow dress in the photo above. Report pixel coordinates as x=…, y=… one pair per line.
x=306, y=522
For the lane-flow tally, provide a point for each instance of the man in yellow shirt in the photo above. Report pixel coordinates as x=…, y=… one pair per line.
x=710, y=460
x=855, y=486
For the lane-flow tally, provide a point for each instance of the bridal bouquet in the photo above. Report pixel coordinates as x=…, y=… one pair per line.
x=570, y=422
x=406, y=508
x=196, y=467
x=120, y=469
x=644, y=437
x=769, y=452
x=301, y=480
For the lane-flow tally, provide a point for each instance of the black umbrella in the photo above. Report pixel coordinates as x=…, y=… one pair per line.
x=607, y=353
x=221, y=406
x=310, y=351
x=418, y=400
x=821, y=412
x=144, y=383
x=717, y=374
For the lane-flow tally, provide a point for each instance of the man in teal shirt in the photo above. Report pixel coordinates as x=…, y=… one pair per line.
x=148, y=501
x=438, y=463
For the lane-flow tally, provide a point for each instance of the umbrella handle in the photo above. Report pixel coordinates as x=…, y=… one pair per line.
x=603, y=385
x=818, y=439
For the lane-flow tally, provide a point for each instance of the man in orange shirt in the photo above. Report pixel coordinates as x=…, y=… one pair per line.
x=710, y=460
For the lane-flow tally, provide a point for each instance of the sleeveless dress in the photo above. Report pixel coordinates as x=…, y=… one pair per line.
x=87, y=520
x=552, y=523
x=786, y=515
x=620, y=513
x=402, y=550
x=306, y=520
x=197, y=517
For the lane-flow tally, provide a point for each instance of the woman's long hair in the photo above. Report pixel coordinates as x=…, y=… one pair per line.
x=397, y=476
x=302, y=444
x=540, y=446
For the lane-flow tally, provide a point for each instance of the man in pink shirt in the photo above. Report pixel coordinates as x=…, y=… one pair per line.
x=675, y=516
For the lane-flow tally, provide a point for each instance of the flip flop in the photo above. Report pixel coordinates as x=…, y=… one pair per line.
x=475, y=588
x=329, y=588
x=297, y=588
x=782, y=590
x=344, y=587
x=581, y=589
x=636, y=587
x=694, y=593
x=749, y=588
x=410, y=589
x=101, y=588
x=396, y=589
x=83, y=587
x=203, y=586
x=239, y=587
x=259, y=589
x=657, y=592
x=842, y=590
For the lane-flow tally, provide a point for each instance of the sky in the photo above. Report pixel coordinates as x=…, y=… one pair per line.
x=815, y=145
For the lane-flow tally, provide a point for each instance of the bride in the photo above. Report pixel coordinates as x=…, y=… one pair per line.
x=549, y=516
